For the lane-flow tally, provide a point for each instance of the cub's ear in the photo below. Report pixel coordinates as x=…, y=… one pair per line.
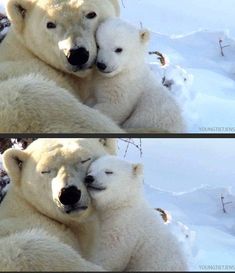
x=110, y=145
x=17, y=11
x=13, y=160
x=144, y=36
x=138, y=169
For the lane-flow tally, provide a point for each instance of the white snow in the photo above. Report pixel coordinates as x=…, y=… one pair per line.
x=187, y=178
x=188, y=33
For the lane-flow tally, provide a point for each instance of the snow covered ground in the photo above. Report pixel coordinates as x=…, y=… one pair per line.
x=188, y=178
x=188, y=33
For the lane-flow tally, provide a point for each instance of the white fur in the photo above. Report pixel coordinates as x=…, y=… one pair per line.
x=131, y=237
x=36, y=250
x=39, y=105
x=36, y=233
x=30, y=47
x=127, y=90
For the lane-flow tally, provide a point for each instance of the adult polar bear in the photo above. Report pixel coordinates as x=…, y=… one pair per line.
x=55, y=41
x=41, y=217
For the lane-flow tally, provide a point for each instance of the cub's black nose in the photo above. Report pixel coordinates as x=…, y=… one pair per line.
x=69, y=196
x=78, y=56
x=101, y=66
x=89, y=179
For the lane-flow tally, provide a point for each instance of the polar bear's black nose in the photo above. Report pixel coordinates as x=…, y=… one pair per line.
x=69, y=196
x=89, y=179
x=78, y=56
x=101, y=66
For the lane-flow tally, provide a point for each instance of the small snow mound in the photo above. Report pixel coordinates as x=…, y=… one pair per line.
x=203, y=220
x=206, y=59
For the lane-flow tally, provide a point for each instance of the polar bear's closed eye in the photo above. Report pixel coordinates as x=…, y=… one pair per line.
x=46, y=172
x=86, y=160
x=108, y=172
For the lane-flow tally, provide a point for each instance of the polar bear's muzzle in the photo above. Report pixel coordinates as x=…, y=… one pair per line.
x=78, y=57
x=92, y=184
x=70, y=198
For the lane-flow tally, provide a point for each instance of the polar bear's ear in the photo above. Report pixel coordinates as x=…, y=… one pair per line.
x=116, y=5
x=12, y=162
x=138, y=169
x=144, y=36
x=110, y=144
x=17, y=10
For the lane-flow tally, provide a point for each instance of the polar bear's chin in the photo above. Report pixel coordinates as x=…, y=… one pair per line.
x=76, y=68
x=76, y=209
x=109, y=74
x=81, y=72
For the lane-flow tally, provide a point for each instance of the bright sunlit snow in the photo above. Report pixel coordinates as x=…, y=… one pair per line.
x=188, y=177
x=188, y=33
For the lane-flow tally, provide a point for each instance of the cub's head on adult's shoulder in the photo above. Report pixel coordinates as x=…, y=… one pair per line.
x=49, y=175
x=61, y=32
x=115, y=54
x=113, y=182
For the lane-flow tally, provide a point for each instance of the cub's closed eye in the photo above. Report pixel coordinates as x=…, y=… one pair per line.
x=91, y=15
x=119, y=50
x=45, y=172
x=109, y=172
x=85, y=161
x=51, y=25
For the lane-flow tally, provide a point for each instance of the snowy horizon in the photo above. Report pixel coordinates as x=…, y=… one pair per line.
x=167, y=160
x=179, y=17
x=188, y=178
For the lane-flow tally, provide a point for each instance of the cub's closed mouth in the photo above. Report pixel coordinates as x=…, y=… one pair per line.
x=90, y=187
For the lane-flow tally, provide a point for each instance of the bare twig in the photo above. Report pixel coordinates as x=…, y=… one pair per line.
x=127, y=147
x=224, y=204
x=222, y=47
x=131, y=141
x=141, y=150
x=123, y=4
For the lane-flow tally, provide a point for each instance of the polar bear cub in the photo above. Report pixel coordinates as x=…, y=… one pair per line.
x=125, y=88
x=131, y=236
